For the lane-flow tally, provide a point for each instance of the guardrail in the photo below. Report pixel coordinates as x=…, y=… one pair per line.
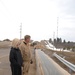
x=68, y=64
x=39, y=70
x=46, y=66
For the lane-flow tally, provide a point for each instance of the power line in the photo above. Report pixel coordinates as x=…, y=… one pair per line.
x=9, y=13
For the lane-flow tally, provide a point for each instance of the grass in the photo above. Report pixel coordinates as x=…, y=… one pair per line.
x=69, y=56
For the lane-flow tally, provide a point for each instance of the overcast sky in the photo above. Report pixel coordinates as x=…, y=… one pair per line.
x=38, y=18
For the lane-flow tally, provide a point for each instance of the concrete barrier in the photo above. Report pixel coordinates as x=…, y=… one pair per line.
x=39, y=69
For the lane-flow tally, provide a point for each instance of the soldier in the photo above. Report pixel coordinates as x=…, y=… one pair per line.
x=26, y=54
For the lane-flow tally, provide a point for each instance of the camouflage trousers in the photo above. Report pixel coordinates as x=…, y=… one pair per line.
x=26, y=66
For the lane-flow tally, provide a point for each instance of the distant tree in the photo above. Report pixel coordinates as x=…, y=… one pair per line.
x=55, y=40
x=68, y=42
x=64, y=41
x=6, y=40
x=50, y=40
x=59, y=40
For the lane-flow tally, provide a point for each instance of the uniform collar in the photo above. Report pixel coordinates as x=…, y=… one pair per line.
x=25, y=43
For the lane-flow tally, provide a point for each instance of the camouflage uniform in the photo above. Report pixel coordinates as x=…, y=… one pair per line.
x=26, y=54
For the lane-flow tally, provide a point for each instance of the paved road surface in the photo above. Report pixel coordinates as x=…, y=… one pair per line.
x=4, y=52
x=49, y=66
x=4, y=62
x=5, y=65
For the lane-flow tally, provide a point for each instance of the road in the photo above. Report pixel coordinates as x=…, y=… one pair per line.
x=4, y=62
x=4, y=52
x=49, y=66
x=5, y=65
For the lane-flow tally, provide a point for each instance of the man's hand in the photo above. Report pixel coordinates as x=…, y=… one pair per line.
x=31, y=62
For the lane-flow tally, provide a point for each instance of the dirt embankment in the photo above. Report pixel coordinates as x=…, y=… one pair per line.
x=5, y=44
x=69, y=56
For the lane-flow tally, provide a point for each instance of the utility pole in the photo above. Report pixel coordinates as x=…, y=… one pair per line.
x=53, y=36
x=57, y=26
x=21, y=31
x=57, y=30
x=53, y=39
